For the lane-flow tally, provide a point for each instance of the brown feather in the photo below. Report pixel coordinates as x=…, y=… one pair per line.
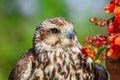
x=53, y=56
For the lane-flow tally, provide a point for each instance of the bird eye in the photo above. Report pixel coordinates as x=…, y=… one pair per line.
x=54, y=30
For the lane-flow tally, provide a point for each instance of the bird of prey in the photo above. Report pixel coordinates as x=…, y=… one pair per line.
x=56, y=55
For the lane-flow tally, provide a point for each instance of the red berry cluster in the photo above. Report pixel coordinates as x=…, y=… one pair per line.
x=114, y=42
x=111, y=40
x=96, y=41
x=93, y=45
x=114, y=6
x=98, y=21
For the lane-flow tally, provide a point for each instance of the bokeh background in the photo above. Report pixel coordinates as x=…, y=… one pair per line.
x=19, y=18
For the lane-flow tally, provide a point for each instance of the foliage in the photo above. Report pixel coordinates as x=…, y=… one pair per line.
x=110, y=41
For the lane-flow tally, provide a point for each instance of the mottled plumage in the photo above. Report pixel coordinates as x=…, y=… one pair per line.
x=56, y=55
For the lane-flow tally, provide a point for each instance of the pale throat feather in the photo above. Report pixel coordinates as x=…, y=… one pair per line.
x=60, y=59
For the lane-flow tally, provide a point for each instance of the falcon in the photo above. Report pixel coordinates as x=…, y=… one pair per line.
x=56, y=55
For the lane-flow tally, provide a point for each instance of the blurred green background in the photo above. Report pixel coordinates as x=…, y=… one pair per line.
x=19, y=18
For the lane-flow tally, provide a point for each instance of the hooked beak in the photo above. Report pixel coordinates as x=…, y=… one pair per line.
x=70, y=34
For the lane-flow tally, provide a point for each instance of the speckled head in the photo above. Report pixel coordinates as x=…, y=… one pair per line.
x=55, y=32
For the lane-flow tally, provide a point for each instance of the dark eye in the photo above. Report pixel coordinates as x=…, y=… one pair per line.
x=54, y=30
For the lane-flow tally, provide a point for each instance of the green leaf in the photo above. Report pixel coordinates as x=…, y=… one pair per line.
x=93, y=64
x=100, y=52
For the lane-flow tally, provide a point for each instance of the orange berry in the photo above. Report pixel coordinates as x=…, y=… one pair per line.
x=117, y=40
x=91, y=53
x=117, y=12
x=110, y=7
x=109, y=52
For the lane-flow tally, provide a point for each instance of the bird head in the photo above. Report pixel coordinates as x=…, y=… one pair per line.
x=55, y=32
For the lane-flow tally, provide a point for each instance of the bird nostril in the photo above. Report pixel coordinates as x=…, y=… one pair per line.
x=70, y=36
